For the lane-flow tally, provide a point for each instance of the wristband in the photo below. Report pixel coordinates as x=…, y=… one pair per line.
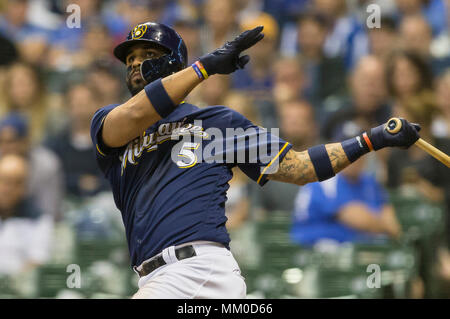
x=159, y=98
x=200, y=70
x=356, y=147
x=321, y=162
x=376, y=137
x=368, y=141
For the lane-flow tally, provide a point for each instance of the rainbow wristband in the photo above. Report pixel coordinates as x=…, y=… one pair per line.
x=200, y=70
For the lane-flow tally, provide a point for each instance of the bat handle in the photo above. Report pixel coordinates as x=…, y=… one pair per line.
x=394, y=125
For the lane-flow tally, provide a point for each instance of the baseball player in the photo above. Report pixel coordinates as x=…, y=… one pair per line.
x=172, y=202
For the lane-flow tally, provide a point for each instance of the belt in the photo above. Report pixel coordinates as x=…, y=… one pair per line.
x=154, y=263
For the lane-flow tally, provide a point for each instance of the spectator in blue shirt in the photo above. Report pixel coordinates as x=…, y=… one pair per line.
x=14, y=23
x=31, y=40
x=346, y=37
x=351, y=207
x=69, y=37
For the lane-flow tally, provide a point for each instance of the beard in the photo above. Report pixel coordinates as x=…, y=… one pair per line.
x=134, y=85
x=153, y=70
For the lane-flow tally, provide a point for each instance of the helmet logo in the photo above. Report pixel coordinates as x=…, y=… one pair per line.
x=139, y=31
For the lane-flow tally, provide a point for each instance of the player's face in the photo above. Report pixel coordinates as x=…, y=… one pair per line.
x=137, y=55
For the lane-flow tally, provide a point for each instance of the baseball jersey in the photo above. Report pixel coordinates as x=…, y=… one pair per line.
x=170, y=184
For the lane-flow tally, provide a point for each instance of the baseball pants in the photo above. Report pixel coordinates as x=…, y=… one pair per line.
x=212, y=274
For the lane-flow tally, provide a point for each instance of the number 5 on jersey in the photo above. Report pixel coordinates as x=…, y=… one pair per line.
x=187, y=153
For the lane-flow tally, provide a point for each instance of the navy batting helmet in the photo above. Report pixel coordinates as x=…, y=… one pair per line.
x=159, y=34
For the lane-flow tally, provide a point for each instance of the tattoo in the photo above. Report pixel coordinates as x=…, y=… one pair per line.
x=337, y=155
x=297, y=168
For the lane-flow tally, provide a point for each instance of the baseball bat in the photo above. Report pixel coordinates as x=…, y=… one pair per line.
x=394, y=125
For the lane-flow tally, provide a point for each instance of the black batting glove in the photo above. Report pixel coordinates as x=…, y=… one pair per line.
x=226, y=59
x=407, y=136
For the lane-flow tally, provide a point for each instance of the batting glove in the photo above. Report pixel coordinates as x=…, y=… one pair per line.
x=407, y=136
x=226, y=59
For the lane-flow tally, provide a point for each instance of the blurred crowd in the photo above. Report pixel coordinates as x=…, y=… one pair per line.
x=324, y=72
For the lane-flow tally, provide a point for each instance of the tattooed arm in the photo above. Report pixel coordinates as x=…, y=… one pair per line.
x=297, y=168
